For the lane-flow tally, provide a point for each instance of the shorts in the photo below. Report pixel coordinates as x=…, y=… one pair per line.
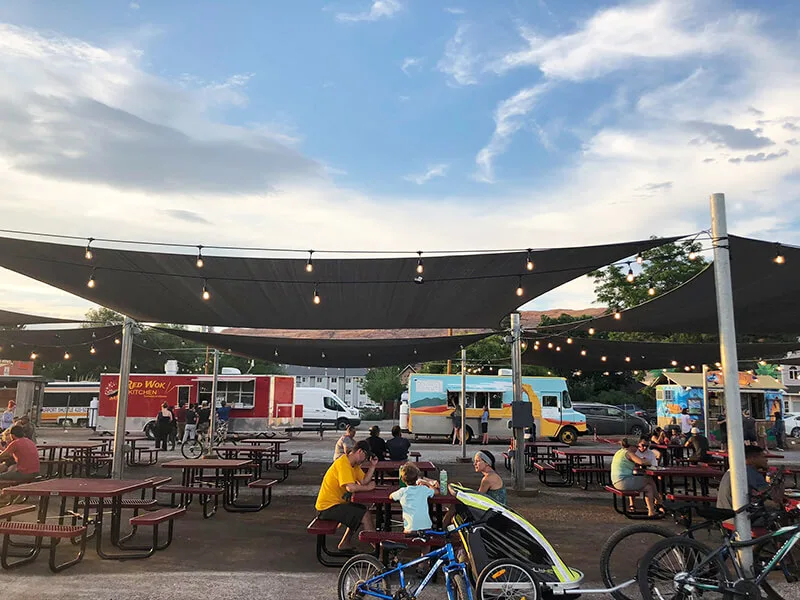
x=631, y=484
x=17, y=476
x=484, y=428
x=348, y=514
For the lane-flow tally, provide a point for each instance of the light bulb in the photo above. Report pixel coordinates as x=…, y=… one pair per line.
x=686, y=368
x=92, y=350
x=420, y=266
x=692, y=255
x=88, y=254
x=779, y=257
x=591, y=330
x=199, y=262
x=529, y=262
x=569, y=340
x=604, y=358
x=317, y=300
x=717, y=364
x=558, y=348
x=630, y=276
x=66, y=355
x=639, y=258
x=627, y=359
x=762, y=362
x=520, y=291
x=651, y=291
x=550, y=345
x=583, y=352
x=276, y=353
x=33, y=355
x=116, y=341
x=310, y=262
x=674, y=363
x=206, y=293
x=617, y=315
x=91, y=282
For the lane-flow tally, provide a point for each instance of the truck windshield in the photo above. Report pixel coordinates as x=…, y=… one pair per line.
x=566, y=402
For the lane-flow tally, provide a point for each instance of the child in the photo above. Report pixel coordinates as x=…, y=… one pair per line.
x=414, y=500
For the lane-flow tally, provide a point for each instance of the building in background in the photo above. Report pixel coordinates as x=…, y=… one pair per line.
x=790, y=378
x=345, y=383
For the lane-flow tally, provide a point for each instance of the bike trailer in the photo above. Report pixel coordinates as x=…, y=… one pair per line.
x=505, y=534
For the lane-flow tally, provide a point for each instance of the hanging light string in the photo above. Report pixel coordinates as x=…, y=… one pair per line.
x=69, y=349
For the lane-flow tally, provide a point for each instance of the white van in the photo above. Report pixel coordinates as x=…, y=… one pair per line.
x=321, y=406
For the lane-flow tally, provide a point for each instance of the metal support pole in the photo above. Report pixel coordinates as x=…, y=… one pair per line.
x=705, y=401
x=118, y=460
x=449, y=362
x=212, y=418
x=730, y=373
x=516, y=385
x=463, y=403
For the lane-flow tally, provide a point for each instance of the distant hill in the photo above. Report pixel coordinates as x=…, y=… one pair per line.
x=530, y=318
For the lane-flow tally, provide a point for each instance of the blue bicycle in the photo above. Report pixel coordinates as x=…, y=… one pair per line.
x=364, y=576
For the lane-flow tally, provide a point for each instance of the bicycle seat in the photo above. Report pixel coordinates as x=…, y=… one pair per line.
x=391, y=546
x=714, y=514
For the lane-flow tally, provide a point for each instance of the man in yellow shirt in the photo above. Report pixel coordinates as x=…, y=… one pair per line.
x=343, y=478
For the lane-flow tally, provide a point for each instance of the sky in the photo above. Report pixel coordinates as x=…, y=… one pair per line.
x=395, y=124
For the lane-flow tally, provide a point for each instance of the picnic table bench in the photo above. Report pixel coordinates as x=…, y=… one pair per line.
x=621, y=497
x=322, y=528
x=377, y=538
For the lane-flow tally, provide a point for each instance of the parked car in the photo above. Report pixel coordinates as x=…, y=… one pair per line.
x=791, y=423
x=633, y=409
x=605, y=419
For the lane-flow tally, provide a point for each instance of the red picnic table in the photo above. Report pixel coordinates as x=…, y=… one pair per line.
x=541, y=450
x=575, y=465
x=261, y=456
x=393, y=466
x=108, y=494
x=666, y=476
x=224, y=478
x=383, y=505
x=132, y=460
x=78, y=452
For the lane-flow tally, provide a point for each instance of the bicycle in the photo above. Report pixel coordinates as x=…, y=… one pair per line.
x=616, y=564
x=364, y=576
x=194, y=448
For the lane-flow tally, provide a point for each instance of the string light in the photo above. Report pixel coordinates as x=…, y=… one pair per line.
x=92, y=350
x=33, y=355
x=91, y=282
x=529, y=262
x=630, y=276
x=558, y=348
x=583, y=352
x=617, y=314
x=604, y=358
x=66, y=355
x=317, y=300
x=420, y=266
x=639, y=258
x=520, y=291
x=569, y=340
x=323, y=354
x=116, y=341
x=717, y=364
x=550, y=345
x=762, y=362
x=686, y=368
x=88, y=254
x=276, y=353
x=627, y=359
x=636, y=372
x=651, y=291
x=206, y=293
x=692, y=255
x=779, y=257
x=674, y=363
x=310, y=262
x=591, y=330
x=199, y=262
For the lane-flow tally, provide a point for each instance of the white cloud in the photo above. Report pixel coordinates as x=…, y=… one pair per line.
x=411, y=64
x=459, y=61
x=380, y=9
x=508, y=119
x=134, y=6
x=439, y=170
x=617, y=37
x=454, y=10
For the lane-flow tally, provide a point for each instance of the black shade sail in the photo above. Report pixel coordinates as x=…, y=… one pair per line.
x=591, y=354
x=327, y=352
x=53, y=345
x=765, y=298
x=14, y=319
x=468, y=291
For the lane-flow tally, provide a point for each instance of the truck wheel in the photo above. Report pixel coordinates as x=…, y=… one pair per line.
x=83, y=422
x=342, y=424
x=468, y=436
x=66, y=422
x=796, y=432
x=150, y=430
x=568, y=435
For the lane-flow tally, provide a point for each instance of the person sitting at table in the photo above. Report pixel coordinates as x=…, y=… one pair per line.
x=622, y=477
x=756, y=462
x=699, y=445
x=658, y=437
x=398, y=446
x=413, y=499
x=376, y=442
x=491, y=483
x=345, y=443
x=7, y=418
x=644, y=451
x=342, y=479
x=20, y=460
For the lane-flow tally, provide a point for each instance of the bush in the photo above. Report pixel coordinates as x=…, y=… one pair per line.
x=371, y=414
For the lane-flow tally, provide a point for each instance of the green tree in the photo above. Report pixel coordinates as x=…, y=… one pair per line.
x=383, y=385
x=484, y=356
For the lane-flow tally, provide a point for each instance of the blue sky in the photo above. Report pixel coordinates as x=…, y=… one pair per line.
x=410, y=124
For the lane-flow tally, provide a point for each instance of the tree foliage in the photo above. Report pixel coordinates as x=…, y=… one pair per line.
x=383, y=384
x=484, y=357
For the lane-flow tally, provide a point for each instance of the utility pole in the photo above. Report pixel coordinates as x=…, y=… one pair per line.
x=730, y=374
x=463, y=403
x=516, y=384
x=212, y=418
x=118, y=459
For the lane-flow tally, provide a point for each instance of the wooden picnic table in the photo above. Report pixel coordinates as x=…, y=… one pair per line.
x=383, y=505
x=385, y=467
x=692, y=475
x=224, y=471
x=108, y=493
x=79, y=452
x=256, y=441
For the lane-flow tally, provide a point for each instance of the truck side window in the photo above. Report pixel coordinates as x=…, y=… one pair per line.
x=331, y=404
x=549, y=401
x=495, y=400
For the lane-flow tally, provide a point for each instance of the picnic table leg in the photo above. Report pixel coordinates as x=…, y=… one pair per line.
x=116, y=518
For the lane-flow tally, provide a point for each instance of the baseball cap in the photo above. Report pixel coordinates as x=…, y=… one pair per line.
x=695, y=430
x=363, y=445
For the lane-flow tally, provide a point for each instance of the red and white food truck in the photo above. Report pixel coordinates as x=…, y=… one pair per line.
x=258, y=402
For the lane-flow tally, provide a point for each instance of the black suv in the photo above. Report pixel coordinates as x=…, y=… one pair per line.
x=606, y=419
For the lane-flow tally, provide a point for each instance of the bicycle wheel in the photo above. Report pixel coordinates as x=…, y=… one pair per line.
x=620, y=555
x=506, y=578
x=192, y=448
x=671, y=566
x=460, y=586
x=357, y=570
x=788, y=567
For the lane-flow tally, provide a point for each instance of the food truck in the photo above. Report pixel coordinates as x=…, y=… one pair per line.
x=258, y=402
x=433, y=398
x=762, y=395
